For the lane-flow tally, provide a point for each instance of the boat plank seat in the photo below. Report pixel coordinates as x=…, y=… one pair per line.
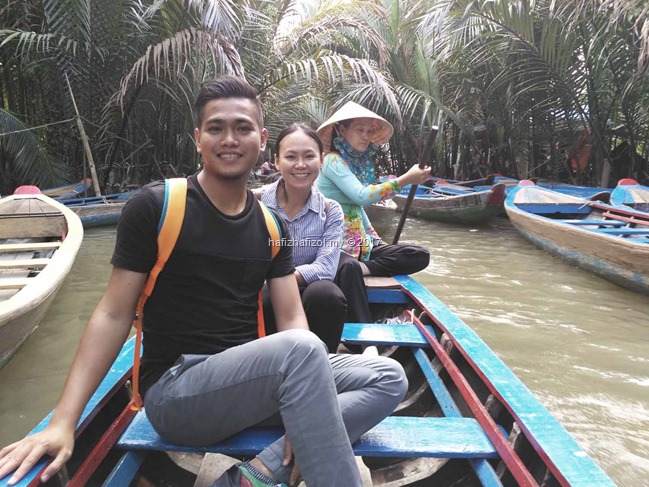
x=384, y=334
x=22, y=247
x=612, y=223
x=384, y=290
x=23, y=263
x=395, y=436
x=14, y=283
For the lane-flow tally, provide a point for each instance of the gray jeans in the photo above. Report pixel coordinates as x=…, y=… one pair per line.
x=326, y=402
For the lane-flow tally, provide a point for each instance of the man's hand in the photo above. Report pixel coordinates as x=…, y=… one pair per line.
x=57, y=442
x=288, y=456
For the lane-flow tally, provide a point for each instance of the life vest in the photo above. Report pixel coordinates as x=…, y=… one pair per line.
x=171, y=220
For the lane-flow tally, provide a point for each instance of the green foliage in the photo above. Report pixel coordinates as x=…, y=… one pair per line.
x=512, y=85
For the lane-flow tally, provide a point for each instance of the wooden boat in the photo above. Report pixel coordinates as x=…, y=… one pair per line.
x=68, y=191
x=466, y=419
x=382, y=214
x=99, y=211
x=573, y=190
x=629, y=193
x=468, y=208
x=610, y=241
x=39, y=240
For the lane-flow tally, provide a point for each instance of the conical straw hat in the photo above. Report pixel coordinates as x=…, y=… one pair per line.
x=352, y=110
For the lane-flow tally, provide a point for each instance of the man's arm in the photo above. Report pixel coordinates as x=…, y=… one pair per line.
x=100, y=344
x=287, y=305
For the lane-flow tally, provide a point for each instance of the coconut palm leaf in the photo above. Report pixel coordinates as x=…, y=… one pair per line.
x=25, y=158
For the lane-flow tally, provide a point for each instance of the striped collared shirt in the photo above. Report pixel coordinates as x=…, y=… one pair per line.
x=315, y=233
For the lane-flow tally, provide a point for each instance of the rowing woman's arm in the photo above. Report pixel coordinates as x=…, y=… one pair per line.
x=100, y=344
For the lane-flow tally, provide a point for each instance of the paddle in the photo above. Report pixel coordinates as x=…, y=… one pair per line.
x=413, y=188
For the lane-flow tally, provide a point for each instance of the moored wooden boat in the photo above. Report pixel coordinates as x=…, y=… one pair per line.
x=68, y=191
x=466, y=419
x=610, y=241
x=39, y=240
x=629, y=193
x=573, y=190
x=99, y=211
x=467, y=208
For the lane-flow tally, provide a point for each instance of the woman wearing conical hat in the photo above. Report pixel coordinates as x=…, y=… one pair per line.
x=351, y=137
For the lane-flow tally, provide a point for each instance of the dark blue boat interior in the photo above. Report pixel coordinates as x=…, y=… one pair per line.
x=560, y=210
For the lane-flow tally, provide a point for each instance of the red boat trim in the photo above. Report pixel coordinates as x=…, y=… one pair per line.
x=515, y=465
x=546, y=459
x=104, y=400
x=101, y=449
x=631, y=219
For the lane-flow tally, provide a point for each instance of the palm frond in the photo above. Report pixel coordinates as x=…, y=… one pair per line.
x=25, y=158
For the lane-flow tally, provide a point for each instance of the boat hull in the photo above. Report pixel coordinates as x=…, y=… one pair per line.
x=470, y=208
x=68, y=191
x=452, y=374
x=33, y=263
x=622, y=261
x=99, y=211
x=99, y=215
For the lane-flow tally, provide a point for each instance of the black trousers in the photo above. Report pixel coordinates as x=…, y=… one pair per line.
x=385, y=261
x=325, y=307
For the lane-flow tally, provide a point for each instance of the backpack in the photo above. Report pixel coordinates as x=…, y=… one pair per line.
x=171, y=220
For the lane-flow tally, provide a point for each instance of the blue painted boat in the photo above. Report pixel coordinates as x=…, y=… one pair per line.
x=571, y=189
x=68, y=191
x=466, y=419
x=629, y=193
x=611, y=241
x=99, y=211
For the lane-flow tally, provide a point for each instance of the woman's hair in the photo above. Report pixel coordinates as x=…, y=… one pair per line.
x=336, y=133
x=302, y=127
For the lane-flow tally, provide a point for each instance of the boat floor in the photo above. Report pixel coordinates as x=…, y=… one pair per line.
x=10, y=275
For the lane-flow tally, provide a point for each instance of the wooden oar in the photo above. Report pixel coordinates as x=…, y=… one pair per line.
x=413, y=188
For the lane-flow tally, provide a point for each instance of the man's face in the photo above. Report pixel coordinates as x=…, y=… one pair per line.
x=230, y=138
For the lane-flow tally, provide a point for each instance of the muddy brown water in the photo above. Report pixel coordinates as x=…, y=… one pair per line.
x=580, y=343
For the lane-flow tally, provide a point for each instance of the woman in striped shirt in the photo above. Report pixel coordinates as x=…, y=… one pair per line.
x=315, y=225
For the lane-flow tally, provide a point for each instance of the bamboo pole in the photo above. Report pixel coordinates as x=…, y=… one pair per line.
x=84, y=141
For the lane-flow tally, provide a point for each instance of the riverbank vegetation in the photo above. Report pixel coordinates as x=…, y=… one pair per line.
x=556, y=89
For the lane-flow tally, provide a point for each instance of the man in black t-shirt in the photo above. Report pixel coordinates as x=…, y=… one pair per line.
x=205, y=375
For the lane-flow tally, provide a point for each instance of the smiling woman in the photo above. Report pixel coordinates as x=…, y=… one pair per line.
x=315, y=224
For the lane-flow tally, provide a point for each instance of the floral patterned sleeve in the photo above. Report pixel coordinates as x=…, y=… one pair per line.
x=355, y=190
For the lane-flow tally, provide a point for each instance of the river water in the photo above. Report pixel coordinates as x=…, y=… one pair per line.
x=580, y=343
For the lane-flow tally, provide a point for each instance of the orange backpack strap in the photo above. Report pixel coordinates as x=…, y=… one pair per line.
x=275, y=243
x=173, y=214
x=171, y=219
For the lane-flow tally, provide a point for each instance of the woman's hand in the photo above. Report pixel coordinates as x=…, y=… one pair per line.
x=57, y=442
x=415, y=175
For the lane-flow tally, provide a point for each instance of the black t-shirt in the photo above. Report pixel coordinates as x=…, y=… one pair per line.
x=205, y=298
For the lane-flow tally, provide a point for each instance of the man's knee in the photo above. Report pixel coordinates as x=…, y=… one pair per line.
x=396, y=378
x=302, y=342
